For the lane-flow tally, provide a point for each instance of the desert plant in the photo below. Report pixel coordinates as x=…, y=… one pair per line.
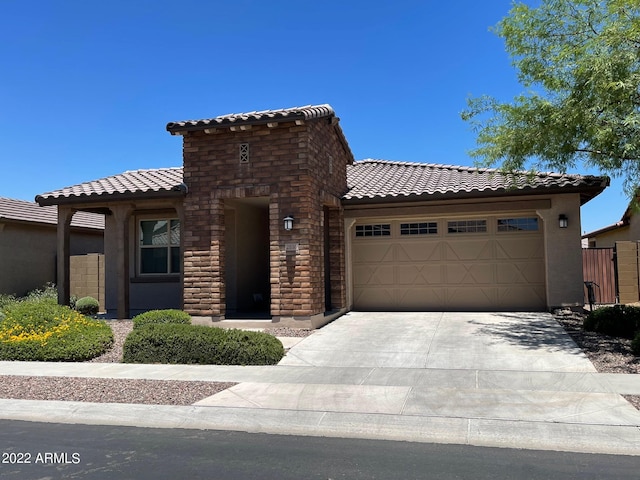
x=161, y=316
x=6, y=300
x=616, y=321
x=198, y=344
x=48, y=293
x=87, y=305
x=45, y=331
x=635, y=345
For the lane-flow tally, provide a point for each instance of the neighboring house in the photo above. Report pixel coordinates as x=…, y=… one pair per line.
x=270, y=216
x=626, y=229
x=28, y=243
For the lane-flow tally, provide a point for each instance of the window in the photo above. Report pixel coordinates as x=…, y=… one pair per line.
x=421, y=228
x=518, y=224
x=159, y=246
x=467, y=226
x=377, y=230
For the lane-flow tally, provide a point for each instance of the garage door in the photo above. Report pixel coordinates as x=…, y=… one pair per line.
x=482, y=263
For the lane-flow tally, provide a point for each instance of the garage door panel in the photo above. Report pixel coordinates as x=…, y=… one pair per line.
x=469, y=249
x=373, y=253
x=476, y=271
x=413, y=274
x=417, y=251
x=374, y=274
x=530, y=247
x=521, y=272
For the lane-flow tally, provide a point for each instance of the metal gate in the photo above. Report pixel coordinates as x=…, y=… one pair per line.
x=598, y=266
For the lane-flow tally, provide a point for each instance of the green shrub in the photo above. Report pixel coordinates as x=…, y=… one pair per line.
x=616, y=321
x=44, y=331
x=161, y=316
x=198, y=344
x=635, y=345
x=87, y=305
x=6, y=300
x=48, y=293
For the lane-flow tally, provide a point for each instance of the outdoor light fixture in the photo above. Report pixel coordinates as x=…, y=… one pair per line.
x=288, y=222
x=563, y=221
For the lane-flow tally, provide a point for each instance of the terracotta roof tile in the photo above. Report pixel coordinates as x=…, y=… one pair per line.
x=23, y=211
x=136, y=182
x=286, y=114
x=367, y=180
x=381, y=179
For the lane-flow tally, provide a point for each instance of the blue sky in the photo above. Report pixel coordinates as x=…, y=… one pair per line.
x=87, y=87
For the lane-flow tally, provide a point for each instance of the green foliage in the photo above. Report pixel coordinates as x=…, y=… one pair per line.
x=635, y=345
x=87, y=305
x=48, y=293
x=198, y=344
x=161, y=316
x=6, y=300
x=43, y=331
x=579, y=61
x=616, y=321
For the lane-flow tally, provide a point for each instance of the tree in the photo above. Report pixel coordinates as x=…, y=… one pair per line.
x=580, y=61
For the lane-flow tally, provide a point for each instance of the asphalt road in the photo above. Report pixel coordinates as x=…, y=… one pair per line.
x=60, y=451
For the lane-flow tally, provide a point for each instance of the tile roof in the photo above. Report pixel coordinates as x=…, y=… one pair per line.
x=387, y=180
x=367, y=180
x=251, y=118
x=23, y=211
x=153, y=182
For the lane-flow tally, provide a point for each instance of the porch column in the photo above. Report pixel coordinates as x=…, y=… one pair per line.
x=65, y=214
x=348, y=260
x=122, y=214
x=181, y=217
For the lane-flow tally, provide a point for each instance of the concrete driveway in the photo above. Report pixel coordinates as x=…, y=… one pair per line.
x=452, y=341
x=498, y=379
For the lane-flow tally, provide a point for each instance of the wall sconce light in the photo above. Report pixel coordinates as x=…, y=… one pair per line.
x=288, y=222
x=563, y=221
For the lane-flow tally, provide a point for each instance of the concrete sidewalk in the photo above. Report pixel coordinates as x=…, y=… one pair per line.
x=506, y=380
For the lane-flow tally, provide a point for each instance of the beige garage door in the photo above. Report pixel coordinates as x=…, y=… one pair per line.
x=483, y=263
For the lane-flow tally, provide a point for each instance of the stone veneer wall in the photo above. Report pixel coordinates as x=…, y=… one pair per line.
x=87, y=277
x=301, y=168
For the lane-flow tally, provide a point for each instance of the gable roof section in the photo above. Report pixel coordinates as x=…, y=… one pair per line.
x=254, y=118
x=372, y=181
x=23, y=211
x=157, y=182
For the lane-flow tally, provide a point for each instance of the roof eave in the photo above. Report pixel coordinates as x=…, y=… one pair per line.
x=110, y=197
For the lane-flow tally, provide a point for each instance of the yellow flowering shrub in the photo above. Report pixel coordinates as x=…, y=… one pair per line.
x=49, y=332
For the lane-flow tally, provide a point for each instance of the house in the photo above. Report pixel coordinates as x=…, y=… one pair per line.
x=625, y=230
x=271, y=217
x=28, y=243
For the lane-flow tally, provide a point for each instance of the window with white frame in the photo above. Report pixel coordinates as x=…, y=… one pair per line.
x=419, y=228
x=467, y=226
x=373, y=230
x=159, y=246
x=522, y=224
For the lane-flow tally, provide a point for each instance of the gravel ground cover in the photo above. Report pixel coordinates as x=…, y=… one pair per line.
x=112, y=390
x=608, y=354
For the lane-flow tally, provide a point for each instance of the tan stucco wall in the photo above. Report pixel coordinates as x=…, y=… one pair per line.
x=28, y=254
x=563, y=251
x=608, y=239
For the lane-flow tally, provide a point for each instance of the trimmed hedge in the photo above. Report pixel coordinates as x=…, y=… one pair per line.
x=635, y=345
x=87, y=305
x=198, y=344
x=161, y=316
x=44, y=331
x=616, y=321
